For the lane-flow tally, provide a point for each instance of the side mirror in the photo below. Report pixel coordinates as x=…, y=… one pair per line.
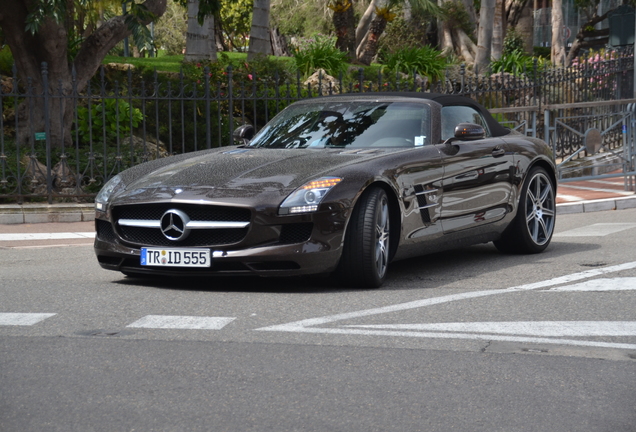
x=469, y=132
x=243, y=133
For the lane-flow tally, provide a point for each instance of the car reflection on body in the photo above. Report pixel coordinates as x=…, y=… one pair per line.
x=340, y=184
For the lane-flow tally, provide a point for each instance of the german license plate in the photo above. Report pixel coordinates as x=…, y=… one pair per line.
x=175, y=257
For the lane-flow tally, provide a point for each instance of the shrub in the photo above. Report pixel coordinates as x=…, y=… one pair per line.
x=111, y=117
x=512, y=42
x=400, y=34
x=425, y=61
x=6, y=61
x=319, y=52
x=518, y=63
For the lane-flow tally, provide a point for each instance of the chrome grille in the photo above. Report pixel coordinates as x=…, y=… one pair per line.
x=153, y=236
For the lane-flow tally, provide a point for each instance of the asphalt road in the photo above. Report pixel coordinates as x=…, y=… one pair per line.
x=469, y=340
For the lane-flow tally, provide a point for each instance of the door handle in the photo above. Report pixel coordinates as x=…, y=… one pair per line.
x=498, y=152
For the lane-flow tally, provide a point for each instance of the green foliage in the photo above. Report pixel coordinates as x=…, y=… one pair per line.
x=512, y=42
x=6, y=61
x=319, y=52
x=300, y=19
x=541, y=52
x=456, y=16
x=42, y=9
x=171, y=28
x=400, y=34
x=518, y=63
x=112, y=117
x=424, y=60
x=236, y=21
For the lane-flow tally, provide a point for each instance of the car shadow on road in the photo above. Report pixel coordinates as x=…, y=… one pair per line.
x=423, y=272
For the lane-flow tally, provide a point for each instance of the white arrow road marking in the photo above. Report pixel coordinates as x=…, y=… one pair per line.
x=46, y=236
x=597, y=285
x=596, y=230
x=309, y=325
x=182, y=322
x=23, y=319
x=527, y=328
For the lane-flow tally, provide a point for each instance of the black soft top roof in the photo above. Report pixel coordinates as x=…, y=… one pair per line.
x=445, y=100
x=452, y=100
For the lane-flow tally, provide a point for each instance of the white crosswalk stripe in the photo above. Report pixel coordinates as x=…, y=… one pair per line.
x=23, y=319
x=182, y=322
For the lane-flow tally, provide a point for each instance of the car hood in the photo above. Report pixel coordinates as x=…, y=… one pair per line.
x=236, y=173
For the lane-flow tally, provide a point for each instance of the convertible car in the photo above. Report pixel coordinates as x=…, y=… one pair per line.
x=333, y=185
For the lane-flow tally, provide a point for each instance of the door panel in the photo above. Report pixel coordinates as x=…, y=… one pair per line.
x=477, y=183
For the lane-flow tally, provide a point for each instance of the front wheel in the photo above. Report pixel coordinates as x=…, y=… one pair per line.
x=365, y=256
x=531, y=230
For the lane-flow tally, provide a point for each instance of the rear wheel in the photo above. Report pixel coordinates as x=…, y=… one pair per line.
x=365, y=257
x=531, y=230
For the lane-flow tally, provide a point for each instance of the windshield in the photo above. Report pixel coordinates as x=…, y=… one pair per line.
x=347, y=124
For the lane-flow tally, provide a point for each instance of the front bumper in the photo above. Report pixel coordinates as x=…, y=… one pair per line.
x=265, y=251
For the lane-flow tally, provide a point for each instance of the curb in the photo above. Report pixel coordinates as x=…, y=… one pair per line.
x=621, y=203
x=11, y=214
x=45, y=213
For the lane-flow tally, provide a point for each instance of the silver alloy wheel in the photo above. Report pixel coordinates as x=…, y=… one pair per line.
x=382, y=237
x=540, y=208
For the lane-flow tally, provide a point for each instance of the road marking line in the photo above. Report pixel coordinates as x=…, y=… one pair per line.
x=309, y=325
x=447, y=299
x=182, y=322
x=23, y=319
x=523, y=328
x=46, y=236
x=484, y=337
x=599, y=285
x=596, y=230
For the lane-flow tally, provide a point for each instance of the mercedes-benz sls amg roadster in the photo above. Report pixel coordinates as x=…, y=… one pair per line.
x=339, y=185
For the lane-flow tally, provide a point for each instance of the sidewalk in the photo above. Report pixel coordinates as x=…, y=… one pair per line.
x=574, y=197
x=594, y=195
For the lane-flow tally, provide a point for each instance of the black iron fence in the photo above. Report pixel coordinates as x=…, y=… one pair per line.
x=123, y=118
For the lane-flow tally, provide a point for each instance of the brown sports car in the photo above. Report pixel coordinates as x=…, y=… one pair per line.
x=342, y=184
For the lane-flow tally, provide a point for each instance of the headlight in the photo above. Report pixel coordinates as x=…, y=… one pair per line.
x=306, y=198
x=113, y=185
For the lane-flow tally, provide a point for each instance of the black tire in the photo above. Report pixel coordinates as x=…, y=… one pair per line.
x=365, y=256
x=532, y=228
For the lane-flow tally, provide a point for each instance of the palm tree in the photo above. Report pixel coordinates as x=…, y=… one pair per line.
x=259, y=34
x=200, y=43
x=343, y=21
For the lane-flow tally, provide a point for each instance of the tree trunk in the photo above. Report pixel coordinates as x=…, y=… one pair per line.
x=363, y=25
x=200, y=39
x=484, y=39
x=260, y=44
x=582, y=34
x=514, y=10
x=525, y=27
x=343, y=21
x=469, y=6
x=371, y=48
x=467, y=48
x=557, y=53
x=49, y=45
x=499, y=30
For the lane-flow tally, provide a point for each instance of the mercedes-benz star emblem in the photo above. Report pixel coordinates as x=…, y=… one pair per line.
x=174, y=225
